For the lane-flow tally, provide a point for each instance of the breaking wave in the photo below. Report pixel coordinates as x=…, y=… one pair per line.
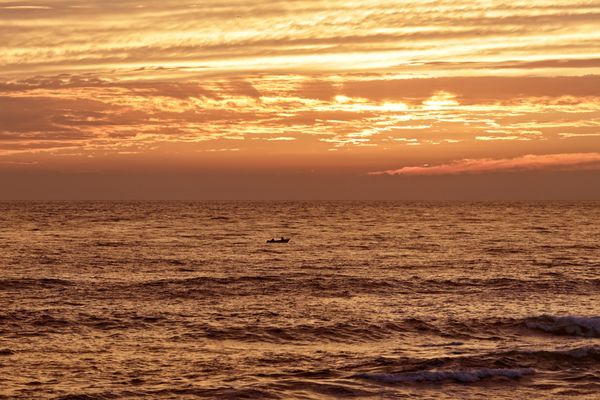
x=566, y=325
x=463, y=376
x=446, y=367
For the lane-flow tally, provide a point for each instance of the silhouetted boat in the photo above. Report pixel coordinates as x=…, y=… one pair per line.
x=282, y=240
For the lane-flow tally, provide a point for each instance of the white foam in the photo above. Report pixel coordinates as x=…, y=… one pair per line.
x=569, y=325
x=465, y=376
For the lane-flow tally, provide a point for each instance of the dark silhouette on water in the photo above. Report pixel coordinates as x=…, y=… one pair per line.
x=282, y=240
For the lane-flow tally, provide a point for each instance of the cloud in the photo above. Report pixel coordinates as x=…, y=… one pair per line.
x=417, y=79
x=26, y=8
x=48, y=116
x=474, y=89
x=519, y=64
x=55, y=36
x=528, y=162
x=281, y=139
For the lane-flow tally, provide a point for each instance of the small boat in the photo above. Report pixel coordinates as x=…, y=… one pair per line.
x=282, y=240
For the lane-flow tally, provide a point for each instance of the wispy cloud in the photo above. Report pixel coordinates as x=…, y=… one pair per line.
x=528, y=162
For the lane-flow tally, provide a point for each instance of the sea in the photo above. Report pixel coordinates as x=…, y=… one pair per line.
x=368, y=300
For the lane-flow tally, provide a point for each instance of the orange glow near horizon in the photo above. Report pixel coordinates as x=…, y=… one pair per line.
x=373, y=86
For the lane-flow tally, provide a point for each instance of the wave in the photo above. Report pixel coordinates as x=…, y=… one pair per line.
x=213, y=393
x=350, y=331
x=462, y=376
x=115, y=243
x=85, y=397
x=337, y=285
x=566, y=325
x=34, y=323
x=220, y=218
x=343, y=332
x=513, y=359
x=556, y=284
x=32, y=283
x=6, y=352
x=584, y=353
x=580, y=326
x=202, y=281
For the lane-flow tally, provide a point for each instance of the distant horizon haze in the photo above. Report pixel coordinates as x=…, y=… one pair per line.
x=506, y=186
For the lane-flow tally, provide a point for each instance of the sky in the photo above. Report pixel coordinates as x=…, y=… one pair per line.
x=300, y=99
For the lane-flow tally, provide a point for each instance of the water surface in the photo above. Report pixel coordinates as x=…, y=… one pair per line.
x=174, y=300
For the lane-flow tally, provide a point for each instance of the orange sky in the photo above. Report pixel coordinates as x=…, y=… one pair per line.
x=377, y=94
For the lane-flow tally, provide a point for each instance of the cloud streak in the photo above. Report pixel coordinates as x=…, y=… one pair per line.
x=528, y=162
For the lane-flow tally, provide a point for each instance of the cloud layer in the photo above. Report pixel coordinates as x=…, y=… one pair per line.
x=87, y=83
x=528, y=162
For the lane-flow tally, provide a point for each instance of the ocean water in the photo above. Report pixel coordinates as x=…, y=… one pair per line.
x=385, y=300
